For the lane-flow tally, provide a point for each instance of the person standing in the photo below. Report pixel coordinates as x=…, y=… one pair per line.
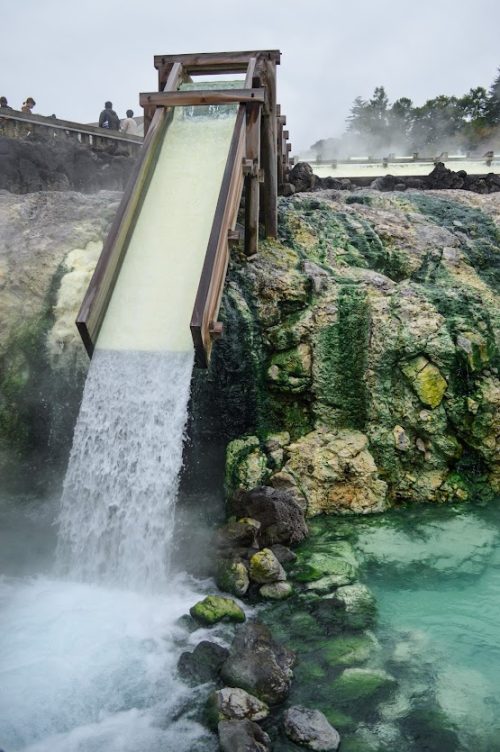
x=129, y=125
x=28, y=105
x=4, y=104
x=108, y=118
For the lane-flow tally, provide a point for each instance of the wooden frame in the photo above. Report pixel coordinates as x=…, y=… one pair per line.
x=254, y=152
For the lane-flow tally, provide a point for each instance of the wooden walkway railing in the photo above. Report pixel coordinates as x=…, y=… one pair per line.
x=14, y=124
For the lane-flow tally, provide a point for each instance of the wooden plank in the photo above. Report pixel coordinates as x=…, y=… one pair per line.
x=95, y=302
x=209, y=293
x=217, y=62
x=201, y=97
x=251, y=68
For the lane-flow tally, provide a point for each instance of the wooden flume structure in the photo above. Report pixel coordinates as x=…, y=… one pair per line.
x=257, y=163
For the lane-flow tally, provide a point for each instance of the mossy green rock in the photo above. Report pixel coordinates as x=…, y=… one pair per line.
x=339, y=567
x=215, y=608
x=265, y=568
x=276, y=591
x=349, y=650
x=246, y=465
x=361, y=684
x=232, y=577
x=426, y=379
x=359, y=604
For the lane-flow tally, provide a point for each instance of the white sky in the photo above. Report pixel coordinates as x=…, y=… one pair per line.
x=72, y=56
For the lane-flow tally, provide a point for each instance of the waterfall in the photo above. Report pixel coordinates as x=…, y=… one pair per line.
x=116, y=518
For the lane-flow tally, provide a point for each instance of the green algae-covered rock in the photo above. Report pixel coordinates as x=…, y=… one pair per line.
x=246, y=465
x=359, y=605
x=361, y=684
x=232, y=577
x=276, y=591
x=426, y=379
x=326, y=570
x=215, y=608
x=349, y=650
x=290, y=371
x=265, y=567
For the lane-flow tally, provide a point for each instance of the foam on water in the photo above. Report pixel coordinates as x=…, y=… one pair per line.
x=87, y=669
x=116, y=519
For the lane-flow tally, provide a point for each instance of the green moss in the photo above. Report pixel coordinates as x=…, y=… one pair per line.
x=348, y=650
x=360, y=684
x=215, y=608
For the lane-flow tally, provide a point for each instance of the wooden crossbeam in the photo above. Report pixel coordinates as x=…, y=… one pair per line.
x=200, y=97
x=216, y=62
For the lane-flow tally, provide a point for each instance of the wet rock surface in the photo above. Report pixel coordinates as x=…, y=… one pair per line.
x=310, y=729
x=234, y=704
x=282, y=520
x=203, y=664
x=59, y=164
x=242, y=736
x=258, y=664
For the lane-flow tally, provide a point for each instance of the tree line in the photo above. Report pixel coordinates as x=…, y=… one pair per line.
x=377, y=127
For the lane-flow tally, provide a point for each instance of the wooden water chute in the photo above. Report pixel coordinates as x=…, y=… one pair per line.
x=254, y=163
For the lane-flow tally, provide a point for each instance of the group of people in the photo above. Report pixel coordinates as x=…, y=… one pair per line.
x=109, y=119
x=27, y=107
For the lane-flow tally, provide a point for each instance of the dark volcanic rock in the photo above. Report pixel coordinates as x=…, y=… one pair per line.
x=242, y=736
x=204, y=663
x=281, y=518
x=302, y=177
x=258, y=664
x=61, y=165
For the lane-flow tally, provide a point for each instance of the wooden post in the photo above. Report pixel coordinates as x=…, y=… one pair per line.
x=252, y=186
x=269, y=150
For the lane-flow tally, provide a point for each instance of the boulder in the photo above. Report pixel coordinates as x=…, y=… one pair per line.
x=361, y=684
x=233, y=704
x=302, y=177
x=276, y=591
x=283, y=554
x=358, y=603
x=265, y=568
x=258, y=664
x=242, y=736
x=232, y=576
x=237, y=533
x=215, y=608
x=203, y=664
x=282, y=520
x=246, y=465
x=310, y=729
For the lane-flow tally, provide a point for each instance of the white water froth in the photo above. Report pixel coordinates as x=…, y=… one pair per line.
x=116, y=519
x=92, y=669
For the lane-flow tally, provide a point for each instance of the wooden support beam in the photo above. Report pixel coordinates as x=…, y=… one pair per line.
x=269, y=150
x=252, y=187
x=201, y=97
x=217, y=62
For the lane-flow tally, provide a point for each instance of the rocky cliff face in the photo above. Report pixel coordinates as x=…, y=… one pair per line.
x=49, y=244
x=360, y=362
x=370, y=334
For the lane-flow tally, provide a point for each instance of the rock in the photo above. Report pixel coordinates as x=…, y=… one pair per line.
x=258, y=664
x=233, y=704
x=350, y=649
x=238, y=533
x=310, y=729
x=204, y=663
x=340, y=566
x=282, y=520
x=265, y=567
x=215, y=608
x=276, y=591
x=426, y=379
x=246, y=465
x=338, y=474
x=232, y=577
x=242, y=736
x=302, y=177
x=355, y=685
x=283, y=554
x=290, y=371
x=358, y=603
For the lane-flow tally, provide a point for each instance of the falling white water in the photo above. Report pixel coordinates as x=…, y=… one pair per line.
x=116, y=520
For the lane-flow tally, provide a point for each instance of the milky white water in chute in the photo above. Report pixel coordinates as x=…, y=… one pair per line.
x=88, y=661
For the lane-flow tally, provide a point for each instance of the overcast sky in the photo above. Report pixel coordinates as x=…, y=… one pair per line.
x=71, y=56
